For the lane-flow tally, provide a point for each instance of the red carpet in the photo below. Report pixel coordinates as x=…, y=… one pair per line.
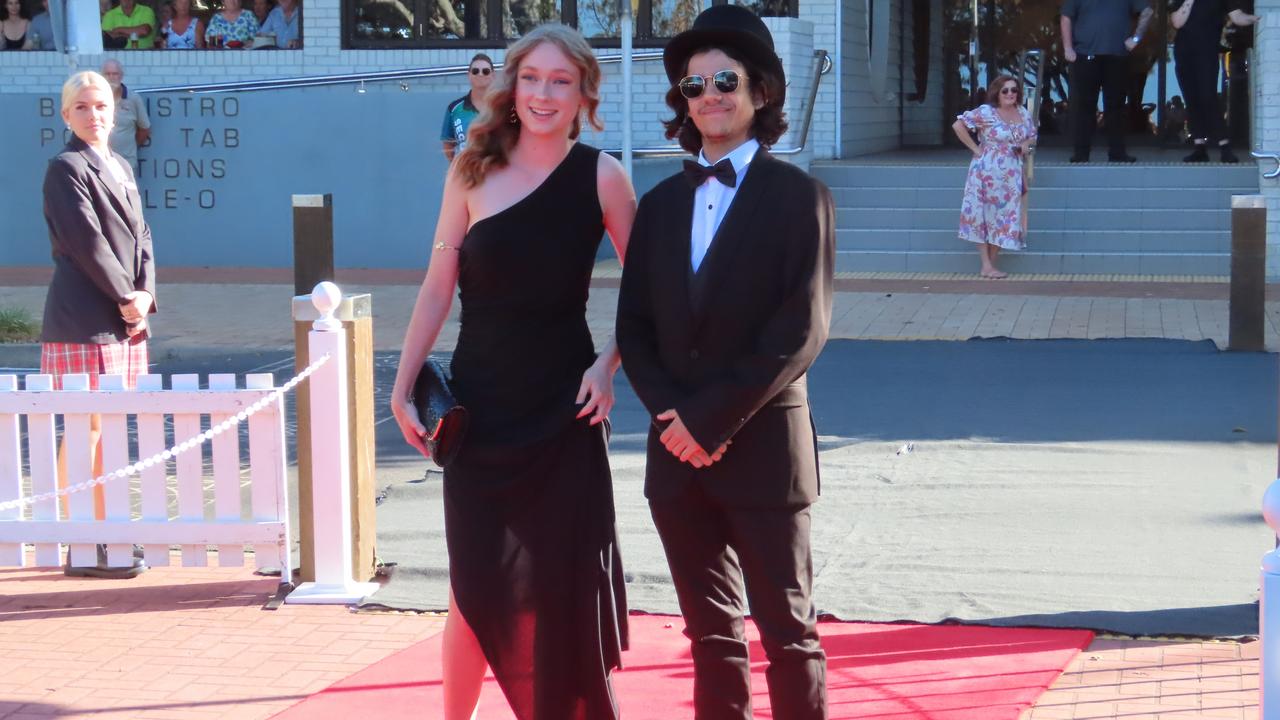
x=929, y=672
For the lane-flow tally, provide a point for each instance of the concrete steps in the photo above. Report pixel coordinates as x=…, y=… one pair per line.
x=1154, y=219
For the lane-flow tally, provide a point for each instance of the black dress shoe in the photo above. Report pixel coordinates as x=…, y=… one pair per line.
x=1079, y=158
x=1200, y=155
x=103, y=570
x=1122, y=159
x=1227, y=155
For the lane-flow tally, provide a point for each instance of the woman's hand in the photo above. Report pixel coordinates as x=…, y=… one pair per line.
x=137, y=328
x=596, y=392
x=407, y=418
x=136, y=306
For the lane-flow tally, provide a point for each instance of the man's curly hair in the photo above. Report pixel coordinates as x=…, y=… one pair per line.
x=770, y=121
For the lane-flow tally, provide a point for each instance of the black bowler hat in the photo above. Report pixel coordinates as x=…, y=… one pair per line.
x=726, y=26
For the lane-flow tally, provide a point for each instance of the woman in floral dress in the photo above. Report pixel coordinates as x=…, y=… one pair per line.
x=991, y=214
x=234, y=27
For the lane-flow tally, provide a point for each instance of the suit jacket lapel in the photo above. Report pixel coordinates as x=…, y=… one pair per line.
x=736, y=228
x=680, y=228
x=119, y=196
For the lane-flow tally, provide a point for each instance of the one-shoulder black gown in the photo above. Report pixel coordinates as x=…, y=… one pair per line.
x=529, y=518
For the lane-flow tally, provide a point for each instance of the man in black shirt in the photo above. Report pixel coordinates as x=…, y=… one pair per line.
x=1097, y=42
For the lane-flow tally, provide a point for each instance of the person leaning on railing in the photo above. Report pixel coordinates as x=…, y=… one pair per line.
x=15, y=28
x=42, y=28
x=233, y=28
x=183, y=31
x=284, y=23
x=129, y=25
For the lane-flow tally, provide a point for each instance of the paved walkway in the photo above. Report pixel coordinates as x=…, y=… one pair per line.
x=876, y=306
x=194, y=643
x=177, y=644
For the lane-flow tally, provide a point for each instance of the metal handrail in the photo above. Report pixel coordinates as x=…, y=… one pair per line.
x=821, y=66
x=1273, y=157
x=1033, y=59
x=351, y=78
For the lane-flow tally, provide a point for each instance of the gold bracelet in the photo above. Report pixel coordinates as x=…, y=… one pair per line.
x=444, y=246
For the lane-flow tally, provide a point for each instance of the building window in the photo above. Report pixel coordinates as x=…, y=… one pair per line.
x=486, y=23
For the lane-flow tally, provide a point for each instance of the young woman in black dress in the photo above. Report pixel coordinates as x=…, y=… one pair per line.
x=535, y=576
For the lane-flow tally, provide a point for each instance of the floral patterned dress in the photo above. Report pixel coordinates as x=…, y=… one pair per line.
x=992, y=208
x=242, y=30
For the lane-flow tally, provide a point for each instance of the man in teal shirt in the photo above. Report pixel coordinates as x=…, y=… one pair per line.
x=460, y=113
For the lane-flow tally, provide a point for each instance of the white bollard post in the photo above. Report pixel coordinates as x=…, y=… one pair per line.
x=1269, y=614
x=330, y=468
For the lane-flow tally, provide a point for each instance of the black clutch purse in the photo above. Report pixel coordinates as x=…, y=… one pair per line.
x=445, y=420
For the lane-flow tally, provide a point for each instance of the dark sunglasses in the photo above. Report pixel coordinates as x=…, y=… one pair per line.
x=481, y=70
x=1008, y=91
x=726, y=81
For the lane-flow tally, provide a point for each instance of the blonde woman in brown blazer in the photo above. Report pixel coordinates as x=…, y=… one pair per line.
x=103, y=286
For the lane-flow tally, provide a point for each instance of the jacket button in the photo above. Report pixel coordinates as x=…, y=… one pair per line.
x=693, y=354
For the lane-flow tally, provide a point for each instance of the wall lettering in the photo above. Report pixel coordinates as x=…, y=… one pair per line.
x=194, y=141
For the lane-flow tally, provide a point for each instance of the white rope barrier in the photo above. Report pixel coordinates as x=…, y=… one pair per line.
x=174, y=451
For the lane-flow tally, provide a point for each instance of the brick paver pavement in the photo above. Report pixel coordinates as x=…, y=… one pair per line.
x=195, y=644
x=1144, y=679
x=177, y=643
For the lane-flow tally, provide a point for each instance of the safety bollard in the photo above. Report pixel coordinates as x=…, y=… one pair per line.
x=312, y=241
x=1247, y=313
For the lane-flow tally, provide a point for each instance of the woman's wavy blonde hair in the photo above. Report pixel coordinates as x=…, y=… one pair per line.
x=492, y=135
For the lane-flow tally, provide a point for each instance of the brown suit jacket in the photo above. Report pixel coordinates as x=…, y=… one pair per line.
x=729, y=347
x=101, y=247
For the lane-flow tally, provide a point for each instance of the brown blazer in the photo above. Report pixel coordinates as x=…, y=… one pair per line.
x=729, y=347
x=101, y=247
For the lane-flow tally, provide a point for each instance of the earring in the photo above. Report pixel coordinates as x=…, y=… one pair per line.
x=513, y=118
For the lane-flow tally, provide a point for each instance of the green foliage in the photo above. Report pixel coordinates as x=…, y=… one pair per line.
x=17, y=326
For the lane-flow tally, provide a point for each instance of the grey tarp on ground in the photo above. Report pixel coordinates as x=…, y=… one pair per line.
x=1104, y=484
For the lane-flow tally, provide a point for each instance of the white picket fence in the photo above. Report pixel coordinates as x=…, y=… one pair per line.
x=139, y=511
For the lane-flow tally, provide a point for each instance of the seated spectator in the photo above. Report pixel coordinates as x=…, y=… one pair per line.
x=261, y=8
x=164, y=13
x=285, y=23
x=133, y=23
x=183, y=32
x=42, y=29
x=15, y=27
x=234, y=27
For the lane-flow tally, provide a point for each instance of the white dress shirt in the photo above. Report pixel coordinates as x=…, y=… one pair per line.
x=712, y=199
x=112, y=166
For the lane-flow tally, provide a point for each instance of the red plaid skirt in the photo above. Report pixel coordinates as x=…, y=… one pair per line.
x=127, y=358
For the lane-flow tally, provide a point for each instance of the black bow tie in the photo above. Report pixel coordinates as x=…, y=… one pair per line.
x=697, y=173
